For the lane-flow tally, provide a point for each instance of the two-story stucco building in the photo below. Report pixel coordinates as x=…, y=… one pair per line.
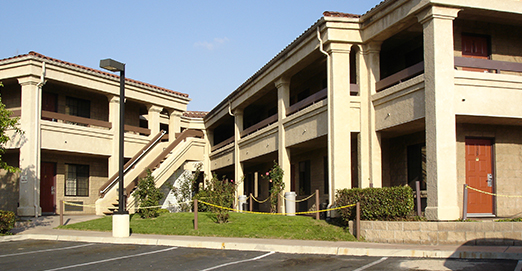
x=69, y=150
x=426, y=90
x=412, y=90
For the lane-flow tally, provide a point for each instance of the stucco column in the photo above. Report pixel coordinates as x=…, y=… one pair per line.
x=114, y=119
x=209, y=139
x=154, y=119
x=29, y=203
x=283, y=155
x=372, y=59
x=441, y=144
x=339, y=138
x=238, y=166
x=174, y=124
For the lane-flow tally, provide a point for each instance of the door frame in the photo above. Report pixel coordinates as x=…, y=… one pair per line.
x=493, y=171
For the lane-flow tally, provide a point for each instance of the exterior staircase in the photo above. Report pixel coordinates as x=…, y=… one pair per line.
x=162, y=158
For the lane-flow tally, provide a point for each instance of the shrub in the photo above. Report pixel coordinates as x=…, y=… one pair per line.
x=276, y=184
x=7, y=221
x=148, y=195
x=218, y=192
x=186, y=190
x=387, y=203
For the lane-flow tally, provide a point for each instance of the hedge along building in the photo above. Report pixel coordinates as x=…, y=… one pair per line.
x=70, y=118
x=412, y=90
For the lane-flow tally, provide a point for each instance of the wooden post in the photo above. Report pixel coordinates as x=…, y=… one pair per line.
x=358, y=220
x=465, y=203
x=61, y=212
x=196, y=214
x=317, y=207
x=417, y=191
x=250, y=203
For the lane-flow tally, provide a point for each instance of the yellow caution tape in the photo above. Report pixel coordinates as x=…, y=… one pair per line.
x=79, y=205
x=301, y=200
x=254, y=198
x=263, y=213
x=493, y=194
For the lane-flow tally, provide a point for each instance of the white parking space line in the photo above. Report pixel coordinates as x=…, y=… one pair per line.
x=113, y=259
x=371, y=264
x=242, y=261
x=44, y=250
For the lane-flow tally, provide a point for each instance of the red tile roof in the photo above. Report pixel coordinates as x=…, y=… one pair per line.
x=97, y=71
x=195, y=114
x=340, y=14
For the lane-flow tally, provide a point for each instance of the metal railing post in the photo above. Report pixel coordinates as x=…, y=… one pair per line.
x=250, y=203
x=465, y=203
x=417, y=191
x=317, y=207
x=358, y=220
x=61, y=212
x=195, y=214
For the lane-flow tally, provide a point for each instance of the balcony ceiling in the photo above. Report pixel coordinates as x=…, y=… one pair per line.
x=491, y=17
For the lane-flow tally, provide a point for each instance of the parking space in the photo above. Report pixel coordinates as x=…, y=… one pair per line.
x=56, y=255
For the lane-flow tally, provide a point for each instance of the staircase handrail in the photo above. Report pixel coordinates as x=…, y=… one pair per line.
x=132, y=162
x=184, y=135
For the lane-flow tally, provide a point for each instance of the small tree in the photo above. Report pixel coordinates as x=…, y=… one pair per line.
x=187, y=189
x=220, y=193
x=6, y=123
x=276, y=184
x=148, y=195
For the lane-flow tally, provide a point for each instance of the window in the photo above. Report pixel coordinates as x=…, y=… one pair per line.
x=305, y=186
x=77, y=180
x=78, y=107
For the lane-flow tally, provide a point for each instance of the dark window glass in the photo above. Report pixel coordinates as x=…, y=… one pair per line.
x=77, y=180
x=305, y=185
x=78, y=107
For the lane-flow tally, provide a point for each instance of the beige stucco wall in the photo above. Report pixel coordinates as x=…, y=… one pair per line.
x=9, y=188
x=507, y=155
x=98, y=175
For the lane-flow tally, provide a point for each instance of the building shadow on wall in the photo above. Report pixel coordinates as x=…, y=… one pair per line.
x=9, y=187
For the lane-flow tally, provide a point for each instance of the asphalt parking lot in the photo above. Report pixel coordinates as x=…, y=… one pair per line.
x=59, y=255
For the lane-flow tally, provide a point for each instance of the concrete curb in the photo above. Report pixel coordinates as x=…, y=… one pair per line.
x=327, y=248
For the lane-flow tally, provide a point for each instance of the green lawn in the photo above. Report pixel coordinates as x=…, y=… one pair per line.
x=239, y=225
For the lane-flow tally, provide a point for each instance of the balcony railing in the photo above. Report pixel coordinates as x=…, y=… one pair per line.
x=222, y=144
x=461, y=62
x=320, y=95
x=487, y=64
x=400, y=76
x=259, y=125
x=49, y=115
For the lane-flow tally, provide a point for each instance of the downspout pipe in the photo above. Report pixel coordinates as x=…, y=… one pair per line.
x=38, y=140
x=330, y=162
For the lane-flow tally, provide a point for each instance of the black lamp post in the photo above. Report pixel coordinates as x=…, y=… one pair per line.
x=114, y=66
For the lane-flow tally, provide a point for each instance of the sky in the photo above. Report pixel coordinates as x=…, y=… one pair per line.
x=206, y=49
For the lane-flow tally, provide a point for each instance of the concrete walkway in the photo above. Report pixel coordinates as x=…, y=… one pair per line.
x=44, y=228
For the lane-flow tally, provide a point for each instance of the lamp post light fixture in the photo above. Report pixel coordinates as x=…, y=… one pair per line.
x=120, y=225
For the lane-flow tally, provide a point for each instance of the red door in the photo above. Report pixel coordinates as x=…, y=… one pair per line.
x=479, y=175
x=475, y=47
x=48, y=187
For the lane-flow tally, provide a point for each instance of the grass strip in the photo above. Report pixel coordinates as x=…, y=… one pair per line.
x=239, y=225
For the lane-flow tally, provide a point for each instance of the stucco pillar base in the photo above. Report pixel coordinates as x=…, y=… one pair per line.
x=442, y=213
x=120, y=225
x=27, y=211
